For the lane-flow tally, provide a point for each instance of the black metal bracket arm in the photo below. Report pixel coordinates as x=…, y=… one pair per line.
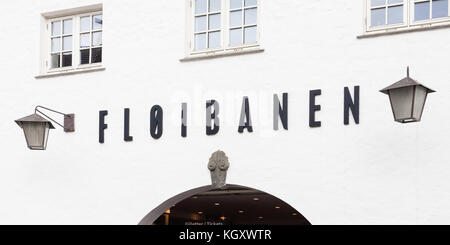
x=69, y=119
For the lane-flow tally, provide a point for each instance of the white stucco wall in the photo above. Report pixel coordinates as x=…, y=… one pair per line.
x=378, y=172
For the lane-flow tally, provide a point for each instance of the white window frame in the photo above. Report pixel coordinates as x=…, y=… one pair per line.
x=46, y=69
x=430, y=20
x=225, y=28
x=207, y=31
x=91, y=33
x=386, y=26
x=408, y=16
x=61, y=36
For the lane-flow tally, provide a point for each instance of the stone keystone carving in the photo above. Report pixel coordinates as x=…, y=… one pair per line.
x=218, y=165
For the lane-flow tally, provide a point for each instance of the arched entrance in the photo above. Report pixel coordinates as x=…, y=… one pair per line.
x=228, y=205
x=222, y=204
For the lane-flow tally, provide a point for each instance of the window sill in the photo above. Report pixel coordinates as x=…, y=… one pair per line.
x=399, y=30
x=71, y=71
x=222, y=53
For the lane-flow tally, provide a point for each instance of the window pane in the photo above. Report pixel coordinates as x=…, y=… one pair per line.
x=85, y=40
x=250, y=3
x=374, y=3
x=236, y=18
x=67, y=43
x=68, y=26
x=235, y=4
x=214, y=5
x=84, y=56
x=67, y=59
x=56, y=28
x=395, y=15
x=200, y=6
x=200, y=23
x=200, y=41
x=85, y=24
x=56, y=44
x=422, y=11
x=250, y=35
x=378, y=17
x=55, y=60
x=214, y=39
x=97, y=38
x=250, y=16
x=97, y=22
x=96, y=55
x=236, y=37
x=440, y=8
x=394, y=1
x=214, y=21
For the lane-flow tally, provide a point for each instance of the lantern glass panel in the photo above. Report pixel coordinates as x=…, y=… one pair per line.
x=36, y=134
x=402, y=102
x=419, y=101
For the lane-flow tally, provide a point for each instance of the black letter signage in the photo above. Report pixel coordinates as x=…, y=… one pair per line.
x=126, y=130
x=279, y=111
x=349, y=104
x=212, y=117
x=156, y=122
x=102, y=126
x=313, y=108
x=184, y=120
x=280, y=114
x=246, y=121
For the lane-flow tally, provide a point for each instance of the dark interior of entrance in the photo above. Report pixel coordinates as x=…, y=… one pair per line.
x=231, y=205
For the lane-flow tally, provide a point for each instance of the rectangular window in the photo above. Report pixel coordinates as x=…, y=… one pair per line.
x=61, y=43
x=221, y=25
x=243, y=22
x=75, y=41
x=91, y=39
x=208, y=26
x=405, y=14
x=430, y=9
x=386, y=12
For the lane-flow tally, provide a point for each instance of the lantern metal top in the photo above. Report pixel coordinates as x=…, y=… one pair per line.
x=405, y=82
x=34, y=118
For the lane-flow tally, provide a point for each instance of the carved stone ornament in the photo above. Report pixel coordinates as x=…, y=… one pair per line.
x=218, y=166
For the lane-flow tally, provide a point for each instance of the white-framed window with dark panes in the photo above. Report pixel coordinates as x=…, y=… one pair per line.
x=75, y=41
x=91, y=41
x=401, y=14
x=61, y=43
x=220, y=25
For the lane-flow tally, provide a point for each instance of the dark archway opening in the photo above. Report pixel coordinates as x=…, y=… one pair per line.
x=229, y=205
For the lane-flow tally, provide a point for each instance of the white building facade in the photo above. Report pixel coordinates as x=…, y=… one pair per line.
x=84, y=57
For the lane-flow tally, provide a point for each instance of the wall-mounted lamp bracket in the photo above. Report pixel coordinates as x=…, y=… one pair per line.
x=69, y=119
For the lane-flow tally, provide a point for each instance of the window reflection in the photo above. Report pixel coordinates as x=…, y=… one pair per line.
x=243, y=15
x=96, y=55
x=422, y=11
x=67, y=59
x=440, y=8
x=91, y=39
x=61, y=41
x=84, y=56
x=395, y=15
x=55, y=61
x=386, y=12
x=212, y=30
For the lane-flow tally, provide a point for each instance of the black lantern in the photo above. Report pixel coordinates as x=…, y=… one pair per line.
x=407, y=98
x=36, y=128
